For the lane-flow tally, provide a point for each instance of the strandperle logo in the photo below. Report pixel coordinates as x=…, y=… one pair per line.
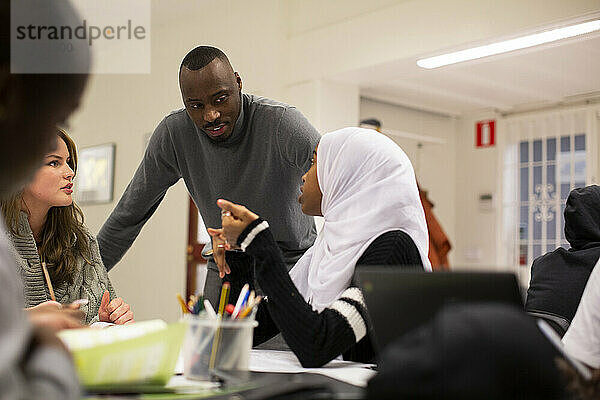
x=84, y=31
x=80, y=36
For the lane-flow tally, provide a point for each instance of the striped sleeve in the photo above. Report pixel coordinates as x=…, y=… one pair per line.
x=250, y=232
x=351, y=307
x=315, y=338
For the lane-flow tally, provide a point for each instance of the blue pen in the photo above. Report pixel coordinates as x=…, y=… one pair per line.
x=244, y=302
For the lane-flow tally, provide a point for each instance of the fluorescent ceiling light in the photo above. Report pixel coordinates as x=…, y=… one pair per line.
x=522, y=42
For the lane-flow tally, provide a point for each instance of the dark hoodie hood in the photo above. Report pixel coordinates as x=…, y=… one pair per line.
x=582, y=217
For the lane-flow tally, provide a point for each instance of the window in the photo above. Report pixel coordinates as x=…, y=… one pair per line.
x=548, y=170
x=544, y=158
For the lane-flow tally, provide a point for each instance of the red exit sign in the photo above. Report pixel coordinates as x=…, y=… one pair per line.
x=485, y=133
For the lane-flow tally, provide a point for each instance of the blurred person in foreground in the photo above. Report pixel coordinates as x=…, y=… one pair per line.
x=33, y=361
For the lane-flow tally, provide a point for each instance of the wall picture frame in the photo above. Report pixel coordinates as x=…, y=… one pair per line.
x=94, y=181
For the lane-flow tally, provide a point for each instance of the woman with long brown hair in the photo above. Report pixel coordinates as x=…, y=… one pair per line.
x=46, y=227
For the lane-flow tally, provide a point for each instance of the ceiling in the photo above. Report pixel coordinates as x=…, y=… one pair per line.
x=564, y=71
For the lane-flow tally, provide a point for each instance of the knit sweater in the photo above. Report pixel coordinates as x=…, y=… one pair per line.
x=316, y=338
x=89, y=282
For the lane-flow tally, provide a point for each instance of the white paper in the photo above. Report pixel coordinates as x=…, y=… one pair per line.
x=354, y=373
x=100, y=325
x=183, y=385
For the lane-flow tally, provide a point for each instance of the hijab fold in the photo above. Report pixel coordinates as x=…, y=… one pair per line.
x=369, y=188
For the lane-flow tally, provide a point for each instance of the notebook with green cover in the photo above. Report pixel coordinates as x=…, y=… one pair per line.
x=142, y=354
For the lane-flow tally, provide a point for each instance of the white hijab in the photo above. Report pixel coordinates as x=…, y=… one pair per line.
x=369, y=188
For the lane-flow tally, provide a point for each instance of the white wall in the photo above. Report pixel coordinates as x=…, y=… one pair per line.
x=326, y=104
x=434, y=163
x=476, y=173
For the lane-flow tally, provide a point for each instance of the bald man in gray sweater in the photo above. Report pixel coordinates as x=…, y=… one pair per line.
x=224, y=144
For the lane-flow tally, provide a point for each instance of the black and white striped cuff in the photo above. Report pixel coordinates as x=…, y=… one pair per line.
x=348, y=306
x=251, y=231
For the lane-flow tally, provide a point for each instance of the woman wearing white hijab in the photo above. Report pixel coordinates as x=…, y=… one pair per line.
x=364, y=186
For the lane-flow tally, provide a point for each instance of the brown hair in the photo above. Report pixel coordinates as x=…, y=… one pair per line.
x=63, y=236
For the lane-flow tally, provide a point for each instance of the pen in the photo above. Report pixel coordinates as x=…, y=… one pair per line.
x=255, y=306
x=241, y=300
x=249, y=307
x=48, y=282
x=209, y=309
x=244, y=312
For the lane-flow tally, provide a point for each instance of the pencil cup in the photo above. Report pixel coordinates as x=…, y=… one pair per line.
x=212, y=344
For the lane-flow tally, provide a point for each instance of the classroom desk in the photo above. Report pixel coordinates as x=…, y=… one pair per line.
x=307, y=384
x=303, y=385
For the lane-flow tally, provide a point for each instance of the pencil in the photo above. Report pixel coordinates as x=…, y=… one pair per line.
x=224, y=298
x=48, y=282
x=249, y=307
x=217, y=337
x=184, y=308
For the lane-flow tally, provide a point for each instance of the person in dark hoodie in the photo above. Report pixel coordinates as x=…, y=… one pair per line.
x=559, y=277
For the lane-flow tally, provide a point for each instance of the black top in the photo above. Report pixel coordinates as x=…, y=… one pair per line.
x=559, y=277
x=316, y=338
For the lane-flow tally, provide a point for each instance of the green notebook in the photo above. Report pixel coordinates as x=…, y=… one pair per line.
x=141, y=354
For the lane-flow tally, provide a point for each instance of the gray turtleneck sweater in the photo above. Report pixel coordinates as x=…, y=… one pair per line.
x=259, y=166
x=90, y=280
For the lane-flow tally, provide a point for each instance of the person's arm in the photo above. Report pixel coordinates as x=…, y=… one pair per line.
x=48, y=369
x=33, y=362
x=158, y=171
x=316, y=338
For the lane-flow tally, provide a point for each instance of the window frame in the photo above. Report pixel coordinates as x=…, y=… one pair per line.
x=541, y=125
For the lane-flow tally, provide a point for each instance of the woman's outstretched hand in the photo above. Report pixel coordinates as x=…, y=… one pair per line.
x=234, y=219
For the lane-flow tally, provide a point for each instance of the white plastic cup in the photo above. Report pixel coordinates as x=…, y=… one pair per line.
x=212, y=344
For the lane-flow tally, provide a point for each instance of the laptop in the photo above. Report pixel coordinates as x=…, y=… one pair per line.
x=400, y=300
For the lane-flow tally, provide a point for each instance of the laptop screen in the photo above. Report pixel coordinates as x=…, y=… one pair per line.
x=399, y=300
